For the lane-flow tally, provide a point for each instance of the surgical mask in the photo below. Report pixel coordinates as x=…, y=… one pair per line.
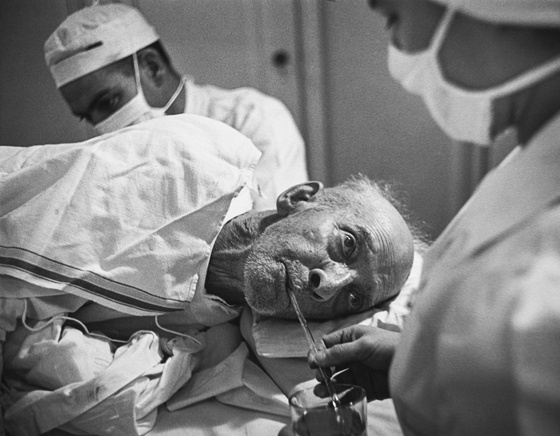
x=465, y=115
x=137, y=109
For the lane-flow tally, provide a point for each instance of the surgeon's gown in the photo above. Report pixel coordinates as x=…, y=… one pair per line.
x=480, y=352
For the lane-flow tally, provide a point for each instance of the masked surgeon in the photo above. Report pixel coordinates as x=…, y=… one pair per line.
x=479, y=352
x=112, y=70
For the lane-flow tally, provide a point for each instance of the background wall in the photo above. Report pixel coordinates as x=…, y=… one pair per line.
x=325, y=59
x=374, y=126
x=31, y=110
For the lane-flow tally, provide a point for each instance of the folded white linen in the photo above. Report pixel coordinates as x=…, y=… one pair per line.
x=258, y=392
x=126, y=219
x=121, y=398
x=226, y=373
x=214, y=418
x=212, y=381
x=236, y=381
x=55, y=356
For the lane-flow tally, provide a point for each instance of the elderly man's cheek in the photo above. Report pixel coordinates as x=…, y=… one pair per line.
x=272, y=309
x=323, y=311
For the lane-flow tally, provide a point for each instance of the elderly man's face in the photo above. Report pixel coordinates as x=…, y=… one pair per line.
x=337, y=260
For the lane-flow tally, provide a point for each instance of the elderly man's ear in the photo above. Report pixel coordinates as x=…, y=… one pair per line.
x=297, y=197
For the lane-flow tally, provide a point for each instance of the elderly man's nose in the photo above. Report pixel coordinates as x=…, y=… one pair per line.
x=324, y=284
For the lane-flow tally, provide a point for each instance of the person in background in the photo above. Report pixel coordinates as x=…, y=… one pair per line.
x=479, y=352
x=112, y=70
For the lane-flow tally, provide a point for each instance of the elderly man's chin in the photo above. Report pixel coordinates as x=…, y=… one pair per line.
x=264, y=284
x=264, y=309
x=284, y=310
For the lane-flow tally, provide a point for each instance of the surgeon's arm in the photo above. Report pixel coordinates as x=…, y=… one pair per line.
x=365, y=352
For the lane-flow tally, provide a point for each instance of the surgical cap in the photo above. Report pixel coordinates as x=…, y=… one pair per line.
x=95, y=37
x=539, y=13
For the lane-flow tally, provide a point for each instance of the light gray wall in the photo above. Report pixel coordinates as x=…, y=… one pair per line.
x=374, y=126
x=31, y=110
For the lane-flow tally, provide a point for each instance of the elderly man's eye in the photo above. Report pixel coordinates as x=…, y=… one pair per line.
x=355, y=300
x=349, y=244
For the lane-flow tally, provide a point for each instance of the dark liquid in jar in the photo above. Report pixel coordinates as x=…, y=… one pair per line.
x=323, y=422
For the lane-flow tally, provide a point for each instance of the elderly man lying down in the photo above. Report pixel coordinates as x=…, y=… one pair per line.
x=148, y=230
x=342, y=250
